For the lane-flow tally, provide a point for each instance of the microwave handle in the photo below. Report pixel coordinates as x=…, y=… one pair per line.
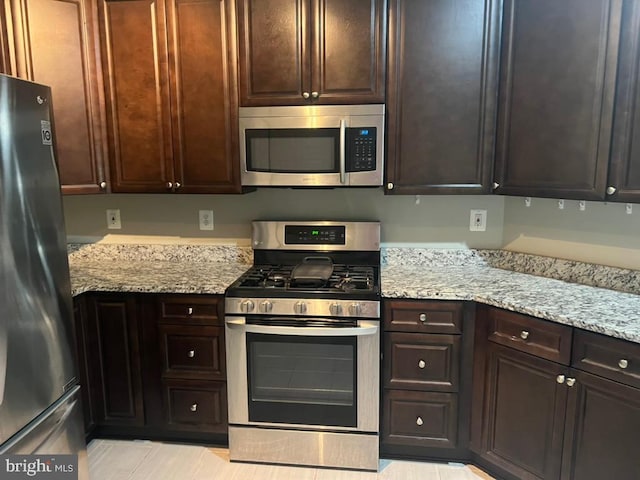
x=343, y=148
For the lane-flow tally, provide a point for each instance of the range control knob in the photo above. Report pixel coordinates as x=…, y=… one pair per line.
x=300, y=308
x=266, y=306
x=335, y=309
x=355, y=309
x=246, y=306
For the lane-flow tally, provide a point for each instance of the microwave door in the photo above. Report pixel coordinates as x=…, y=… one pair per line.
x=293, y=151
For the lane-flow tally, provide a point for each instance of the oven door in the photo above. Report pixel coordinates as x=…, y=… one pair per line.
x=306, y=377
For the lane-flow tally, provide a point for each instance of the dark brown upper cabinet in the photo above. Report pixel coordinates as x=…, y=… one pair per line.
x=171, y=95
x=54, y=42
x=298, y=52
x=624, y=170
x=441, y=99
x=557, y=85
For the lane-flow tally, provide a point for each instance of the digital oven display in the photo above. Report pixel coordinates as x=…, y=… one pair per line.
x=314, y=235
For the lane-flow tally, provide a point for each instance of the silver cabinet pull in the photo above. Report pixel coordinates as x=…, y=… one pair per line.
x=611, y=190
x=623, y=363
x=571, y=382
x=560, y=379
x=305, y=95
x=169, y=184
x=495, y=185
x=389, y=186
x=190, y=311
x=191, y=353
x=421, y=364
x=315, y=94
x=193, y=407
x=524, y=334
x=419, y=421
x=178, y=184
x=103, y=185
x=423, y=317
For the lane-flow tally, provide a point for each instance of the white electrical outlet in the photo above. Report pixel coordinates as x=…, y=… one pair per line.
x=561, y=204
x=628, y=209
x=527, y=201
x=206, y=219
x=478, y=221
x=113, y=219
x=582, y=205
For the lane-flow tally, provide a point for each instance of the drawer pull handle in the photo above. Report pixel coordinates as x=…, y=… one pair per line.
x=571, y=382
x=423, y=317
x=422, y=364
x=560, y=379
x=524, y=334
x=190, y=311
x=191, y=353
x=193, y=407
x=623, y=363
x=419, y=421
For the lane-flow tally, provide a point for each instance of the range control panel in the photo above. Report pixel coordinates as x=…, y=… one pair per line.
x=314, y=235
x=361, y=155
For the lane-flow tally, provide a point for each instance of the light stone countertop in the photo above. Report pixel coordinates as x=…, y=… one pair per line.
x=596, y=309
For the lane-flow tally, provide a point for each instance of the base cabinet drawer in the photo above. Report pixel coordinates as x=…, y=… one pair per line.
x=421, y=419
x=194, y=405
x=192, y=351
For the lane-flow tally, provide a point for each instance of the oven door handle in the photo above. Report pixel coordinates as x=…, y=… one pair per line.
x=366, y=328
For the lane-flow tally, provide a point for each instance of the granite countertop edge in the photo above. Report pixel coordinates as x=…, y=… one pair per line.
x=612, y=313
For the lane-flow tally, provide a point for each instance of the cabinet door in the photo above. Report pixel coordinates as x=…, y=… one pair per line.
x=112, y=331
x=624, y=169
x=5, y=56
x=348, y=51
x=135, y=63
x=274, y=54
x=442, y=78
x=602, y=430
x=203, y=91
x=556, y=97
x=523, y=418
x=55, y=44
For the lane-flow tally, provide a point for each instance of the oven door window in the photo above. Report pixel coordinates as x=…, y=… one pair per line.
x=302, y=380
x=293, y=150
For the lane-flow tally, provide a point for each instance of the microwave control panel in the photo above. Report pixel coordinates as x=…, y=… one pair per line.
x=361, y=151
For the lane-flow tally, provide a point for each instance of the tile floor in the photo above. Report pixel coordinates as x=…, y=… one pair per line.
x=145, y=460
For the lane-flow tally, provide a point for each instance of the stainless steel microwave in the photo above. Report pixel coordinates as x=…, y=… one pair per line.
x=313, y=146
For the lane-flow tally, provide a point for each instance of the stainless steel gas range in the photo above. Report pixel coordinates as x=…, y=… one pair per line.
x=303, y=346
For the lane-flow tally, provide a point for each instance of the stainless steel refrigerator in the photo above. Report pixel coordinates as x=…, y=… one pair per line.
x=40, y=410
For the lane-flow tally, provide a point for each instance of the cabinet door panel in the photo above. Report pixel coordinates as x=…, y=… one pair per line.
x=55, y=42
x=522, y=395
x=274, y=51
x=349, y=51
x=624, y=170
x=443, y=65
x=5, y=49
x=134, y=44
x=204, y=112
x=603, y=430
x=556, y=97
x=113, y=333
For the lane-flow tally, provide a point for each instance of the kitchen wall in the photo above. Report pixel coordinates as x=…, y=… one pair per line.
x=441, y=221
x=603, y=233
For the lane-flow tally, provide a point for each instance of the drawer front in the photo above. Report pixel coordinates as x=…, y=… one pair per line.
x=421, y=419
x=199, y=406
x=423, y=317
x=191, y=309
x=531, y=335
x=419, y=361
x=193, y=352
x=608, y=357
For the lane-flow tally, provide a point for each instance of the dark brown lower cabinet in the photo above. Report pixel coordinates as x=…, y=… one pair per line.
x=154, y=366
x=523, y=415
x=602, y=433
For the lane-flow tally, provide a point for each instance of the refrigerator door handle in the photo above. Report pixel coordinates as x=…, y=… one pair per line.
x=3, y=358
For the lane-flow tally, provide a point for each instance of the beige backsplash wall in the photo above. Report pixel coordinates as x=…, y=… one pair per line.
x=603, y=233
x=441, y=221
